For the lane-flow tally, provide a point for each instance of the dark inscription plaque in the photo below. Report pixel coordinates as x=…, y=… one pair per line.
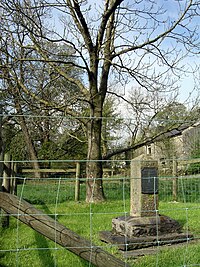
x=149, y=181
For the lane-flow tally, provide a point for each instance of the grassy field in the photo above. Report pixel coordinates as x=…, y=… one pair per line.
x=21, y=246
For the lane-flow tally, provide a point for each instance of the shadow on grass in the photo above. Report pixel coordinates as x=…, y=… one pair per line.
x=2, y=243
x=43, y=251
x=2, y=255
x=47, y=211
x=182, y=222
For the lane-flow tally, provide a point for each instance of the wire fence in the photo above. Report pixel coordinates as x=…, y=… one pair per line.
x=38, y=191
x=55, y=196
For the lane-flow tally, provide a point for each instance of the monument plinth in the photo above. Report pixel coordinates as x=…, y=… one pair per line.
x=145, y=226
x=144, y=187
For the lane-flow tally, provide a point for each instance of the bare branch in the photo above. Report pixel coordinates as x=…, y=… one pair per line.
x=158, y=37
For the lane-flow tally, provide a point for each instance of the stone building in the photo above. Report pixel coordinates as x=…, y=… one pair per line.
x=183, y=146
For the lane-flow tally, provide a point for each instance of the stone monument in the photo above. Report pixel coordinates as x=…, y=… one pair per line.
x=144, y=227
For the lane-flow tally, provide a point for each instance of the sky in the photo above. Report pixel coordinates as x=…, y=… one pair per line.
x=186, y=82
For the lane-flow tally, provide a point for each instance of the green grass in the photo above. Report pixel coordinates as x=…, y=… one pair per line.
x=188, y=189
x=21, y=246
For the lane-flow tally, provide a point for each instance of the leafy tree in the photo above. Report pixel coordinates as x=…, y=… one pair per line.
x=39, y=77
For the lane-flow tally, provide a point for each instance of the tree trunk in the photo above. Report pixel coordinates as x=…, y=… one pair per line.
x=28, y=140
x=31, y=149
x=94, y=168
x=2, y=217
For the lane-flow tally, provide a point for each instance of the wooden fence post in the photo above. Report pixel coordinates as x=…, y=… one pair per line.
x=1, y=182
x=1, y=146
x=1, y=170
x=77, y=183
x=175, y=181
x=13, y=184
x=7, y=173
x=57, y=232
x=6, y=186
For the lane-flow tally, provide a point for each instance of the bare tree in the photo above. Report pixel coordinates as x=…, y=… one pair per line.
x=113, y=42
x=21, y=79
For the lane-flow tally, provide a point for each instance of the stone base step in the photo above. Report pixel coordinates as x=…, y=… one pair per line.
x=126, y=243
x=130, y=254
